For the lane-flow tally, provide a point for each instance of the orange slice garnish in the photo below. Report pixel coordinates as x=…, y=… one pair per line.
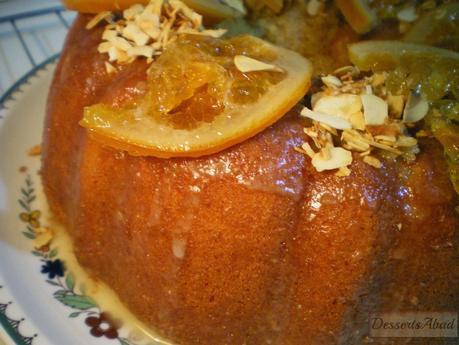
x=439, y=27
x=199, y=102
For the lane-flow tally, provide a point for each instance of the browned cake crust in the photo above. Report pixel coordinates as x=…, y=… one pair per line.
x=249, y=245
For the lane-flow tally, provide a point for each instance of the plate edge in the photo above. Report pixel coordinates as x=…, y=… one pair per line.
x=10, y=326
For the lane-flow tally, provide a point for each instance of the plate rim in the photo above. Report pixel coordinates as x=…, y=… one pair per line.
x=11, y=326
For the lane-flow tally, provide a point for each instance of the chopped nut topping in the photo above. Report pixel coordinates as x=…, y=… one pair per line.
x=331, y=158
x=416, y=108
x=328, y=119
x=247, y=64
x=373, y=161
x=106, y=15
x=375, y=110
x=145, y=31
x=356, y=114
x=346, y=106
x=109, y=68
x=331, y=81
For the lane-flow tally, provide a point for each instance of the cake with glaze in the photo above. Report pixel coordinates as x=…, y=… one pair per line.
x=250, y=245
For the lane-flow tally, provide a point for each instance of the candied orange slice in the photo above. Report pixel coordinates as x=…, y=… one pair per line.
x=439, y=27
x=198, y=102
x=212, y=10
x=358, y=14
x=383, y=55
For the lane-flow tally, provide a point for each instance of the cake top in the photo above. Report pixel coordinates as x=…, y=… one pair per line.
x=376, y=109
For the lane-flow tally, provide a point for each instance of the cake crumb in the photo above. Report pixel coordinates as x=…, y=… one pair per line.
x=34, y=151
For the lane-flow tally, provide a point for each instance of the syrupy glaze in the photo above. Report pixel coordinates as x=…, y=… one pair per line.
x=250, y=245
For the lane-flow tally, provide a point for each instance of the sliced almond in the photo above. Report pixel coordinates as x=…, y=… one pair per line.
x=308, y=150
x=345, y=106
x=338, y=157
x=109, y=68
x=132, y=32
x=217, y=33
x=146, y=51
x=109, y=34
x=373, y=161
x=133, y=11
x=416, y=108
x=331, y=81
x=375, y=109
x=104, y=47
x=247, y=64
x=120, y=43
x=343, y=171
x=405, y=141
x=98, y=18
x=331, y=120
x=315, y=97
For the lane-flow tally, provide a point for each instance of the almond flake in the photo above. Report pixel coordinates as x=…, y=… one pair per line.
x=217, y=33
x=104, y=47
x=345, y=106
x=331, y=120
x=385, y=137
x=385, y=147
x=373, y=161
x=308, y=150
x=134, y=33
x=120, y=43
x=146, y=51
x=98, y=18
x=247, y=64
x=416, y=108
x=405, y=141
x=355, y=140
x=155, y=25
x=109, y=34
x=109, y=68
x=338, y=157
x=343, y=172
x=315, y=97
x=331, y=81
x=375, y=109
x=133, y=11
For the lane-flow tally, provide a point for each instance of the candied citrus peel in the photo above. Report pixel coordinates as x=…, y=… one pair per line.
x=198, y=102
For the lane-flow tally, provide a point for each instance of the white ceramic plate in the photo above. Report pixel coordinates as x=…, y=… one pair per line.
x=40, y=303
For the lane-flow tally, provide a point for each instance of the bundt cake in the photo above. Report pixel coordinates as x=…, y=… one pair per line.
x=250, y=245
